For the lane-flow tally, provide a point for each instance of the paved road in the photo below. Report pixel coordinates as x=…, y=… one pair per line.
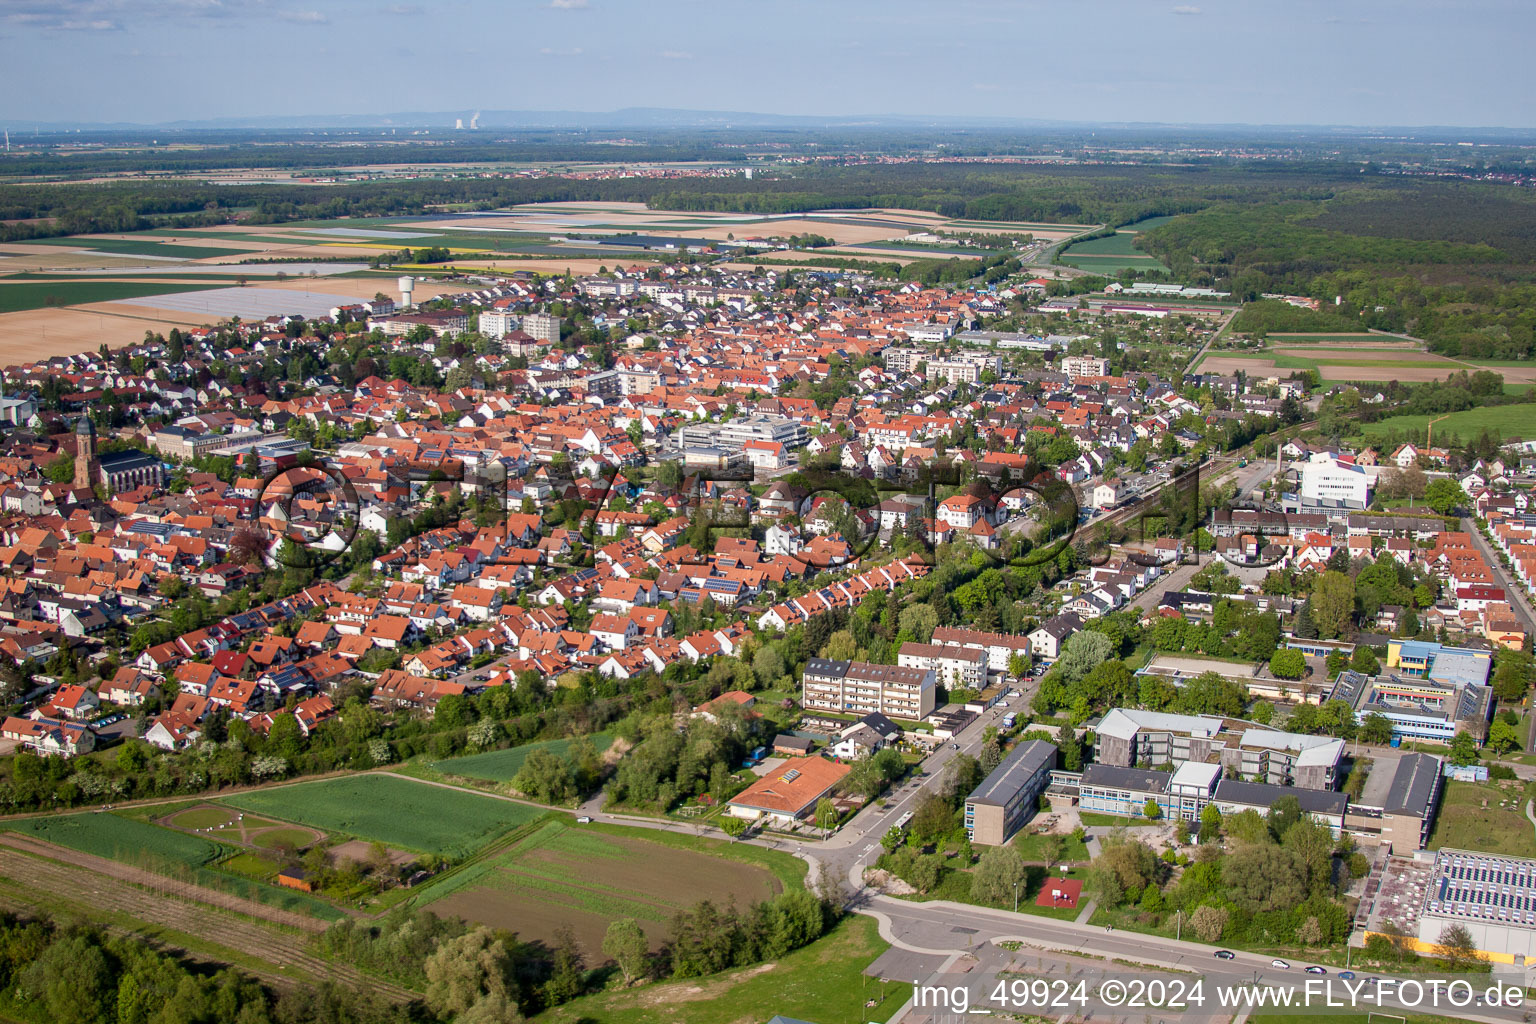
x=1512, y=586
x=942, y=927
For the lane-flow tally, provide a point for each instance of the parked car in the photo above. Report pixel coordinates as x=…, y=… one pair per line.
x=1225, y=954
x=584, y=820
x=1347, y=975
x=1314, y=969
x=1280, y=964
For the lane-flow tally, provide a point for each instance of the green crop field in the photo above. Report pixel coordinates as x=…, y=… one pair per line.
x=1507, y=421
x=121, y=839
x=36, y=295
x=392, y=810
x=142, y=247
x=1108, y=266
x=503, y=765
x=1117, y=244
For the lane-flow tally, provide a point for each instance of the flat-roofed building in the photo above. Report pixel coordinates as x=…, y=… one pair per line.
x=1398, y=805
x=857, y=687
x=541, y=327
x=1418, y=708
x=1007, y=797
x=1128, y=737
x=1325, y=808
x=1491, y=896
x=1107, y=789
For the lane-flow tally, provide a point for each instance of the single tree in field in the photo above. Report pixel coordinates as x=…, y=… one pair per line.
x=628, y=947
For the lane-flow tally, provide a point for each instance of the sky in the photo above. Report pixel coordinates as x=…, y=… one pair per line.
x=1323, y=62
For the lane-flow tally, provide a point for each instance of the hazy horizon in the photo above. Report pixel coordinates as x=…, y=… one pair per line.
x=1291, y=63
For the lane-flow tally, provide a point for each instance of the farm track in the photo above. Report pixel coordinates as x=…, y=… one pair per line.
x=161, y=883
x=48, y=868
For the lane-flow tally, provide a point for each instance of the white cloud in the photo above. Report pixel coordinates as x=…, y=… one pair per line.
x=568, y=5
x=304, y=17
x=1187, y=9
x=574, y=51
x=676, y=55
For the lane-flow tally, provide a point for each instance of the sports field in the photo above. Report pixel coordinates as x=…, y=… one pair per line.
x=503, y=765
x=585, y=876
x=392, y=810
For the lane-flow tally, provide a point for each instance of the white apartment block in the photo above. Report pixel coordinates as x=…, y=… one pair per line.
x=954, y=666
x=859, y=688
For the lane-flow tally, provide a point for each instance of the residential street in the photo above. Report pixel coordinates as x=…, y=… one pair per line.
x=1512, y=587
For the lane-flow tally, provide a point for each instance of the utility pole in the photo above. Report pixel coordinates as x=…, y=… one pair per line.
x=1015, y=897
x=1178, y=926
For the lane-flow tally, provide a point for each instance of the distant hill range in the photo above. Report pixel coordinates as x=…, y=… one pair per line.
x=654, y=118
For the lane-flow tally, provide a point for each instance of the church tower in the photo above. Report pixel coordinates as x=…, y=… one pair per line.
x=85, y=453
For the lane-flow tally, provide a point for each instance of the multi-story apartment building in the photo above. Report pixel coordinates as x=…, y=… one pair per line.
x=857, y=687
x=999, y=647
x=903, y=360
x=955, y=667
x=541, y=326
x=1084, y=366
x=496, y=323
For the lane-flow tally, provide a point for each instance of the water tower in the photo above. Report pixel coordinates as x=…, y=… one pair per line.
x=406, y=286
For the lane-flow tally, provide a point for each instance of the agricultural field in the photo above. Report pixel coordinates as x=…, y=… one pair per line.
x=1499, y=827
x=393, y=810
x=25, y=295
x=143, y=247
x=1506, y=421
x=503, y=765
x=585, y=876
x=120, y=839
x=1109, y=255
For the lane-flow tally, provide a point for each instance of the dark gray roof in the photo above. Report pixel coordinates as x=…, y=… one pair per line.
x=1413, y=785
x=1014, y=772
x=827, y=667
x=1258, y=794
x=1135, y=779
x=117, y=462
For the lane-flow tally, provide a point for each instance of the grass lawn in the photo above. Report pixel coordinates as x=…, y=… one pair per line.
x=503, y=765
x=1465, y=824
x=36, y=294
x=1112, y=820
x=824, y=981
x=1031, y=847
x=392, y=810
x=955, y=884
x=1506, y=421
